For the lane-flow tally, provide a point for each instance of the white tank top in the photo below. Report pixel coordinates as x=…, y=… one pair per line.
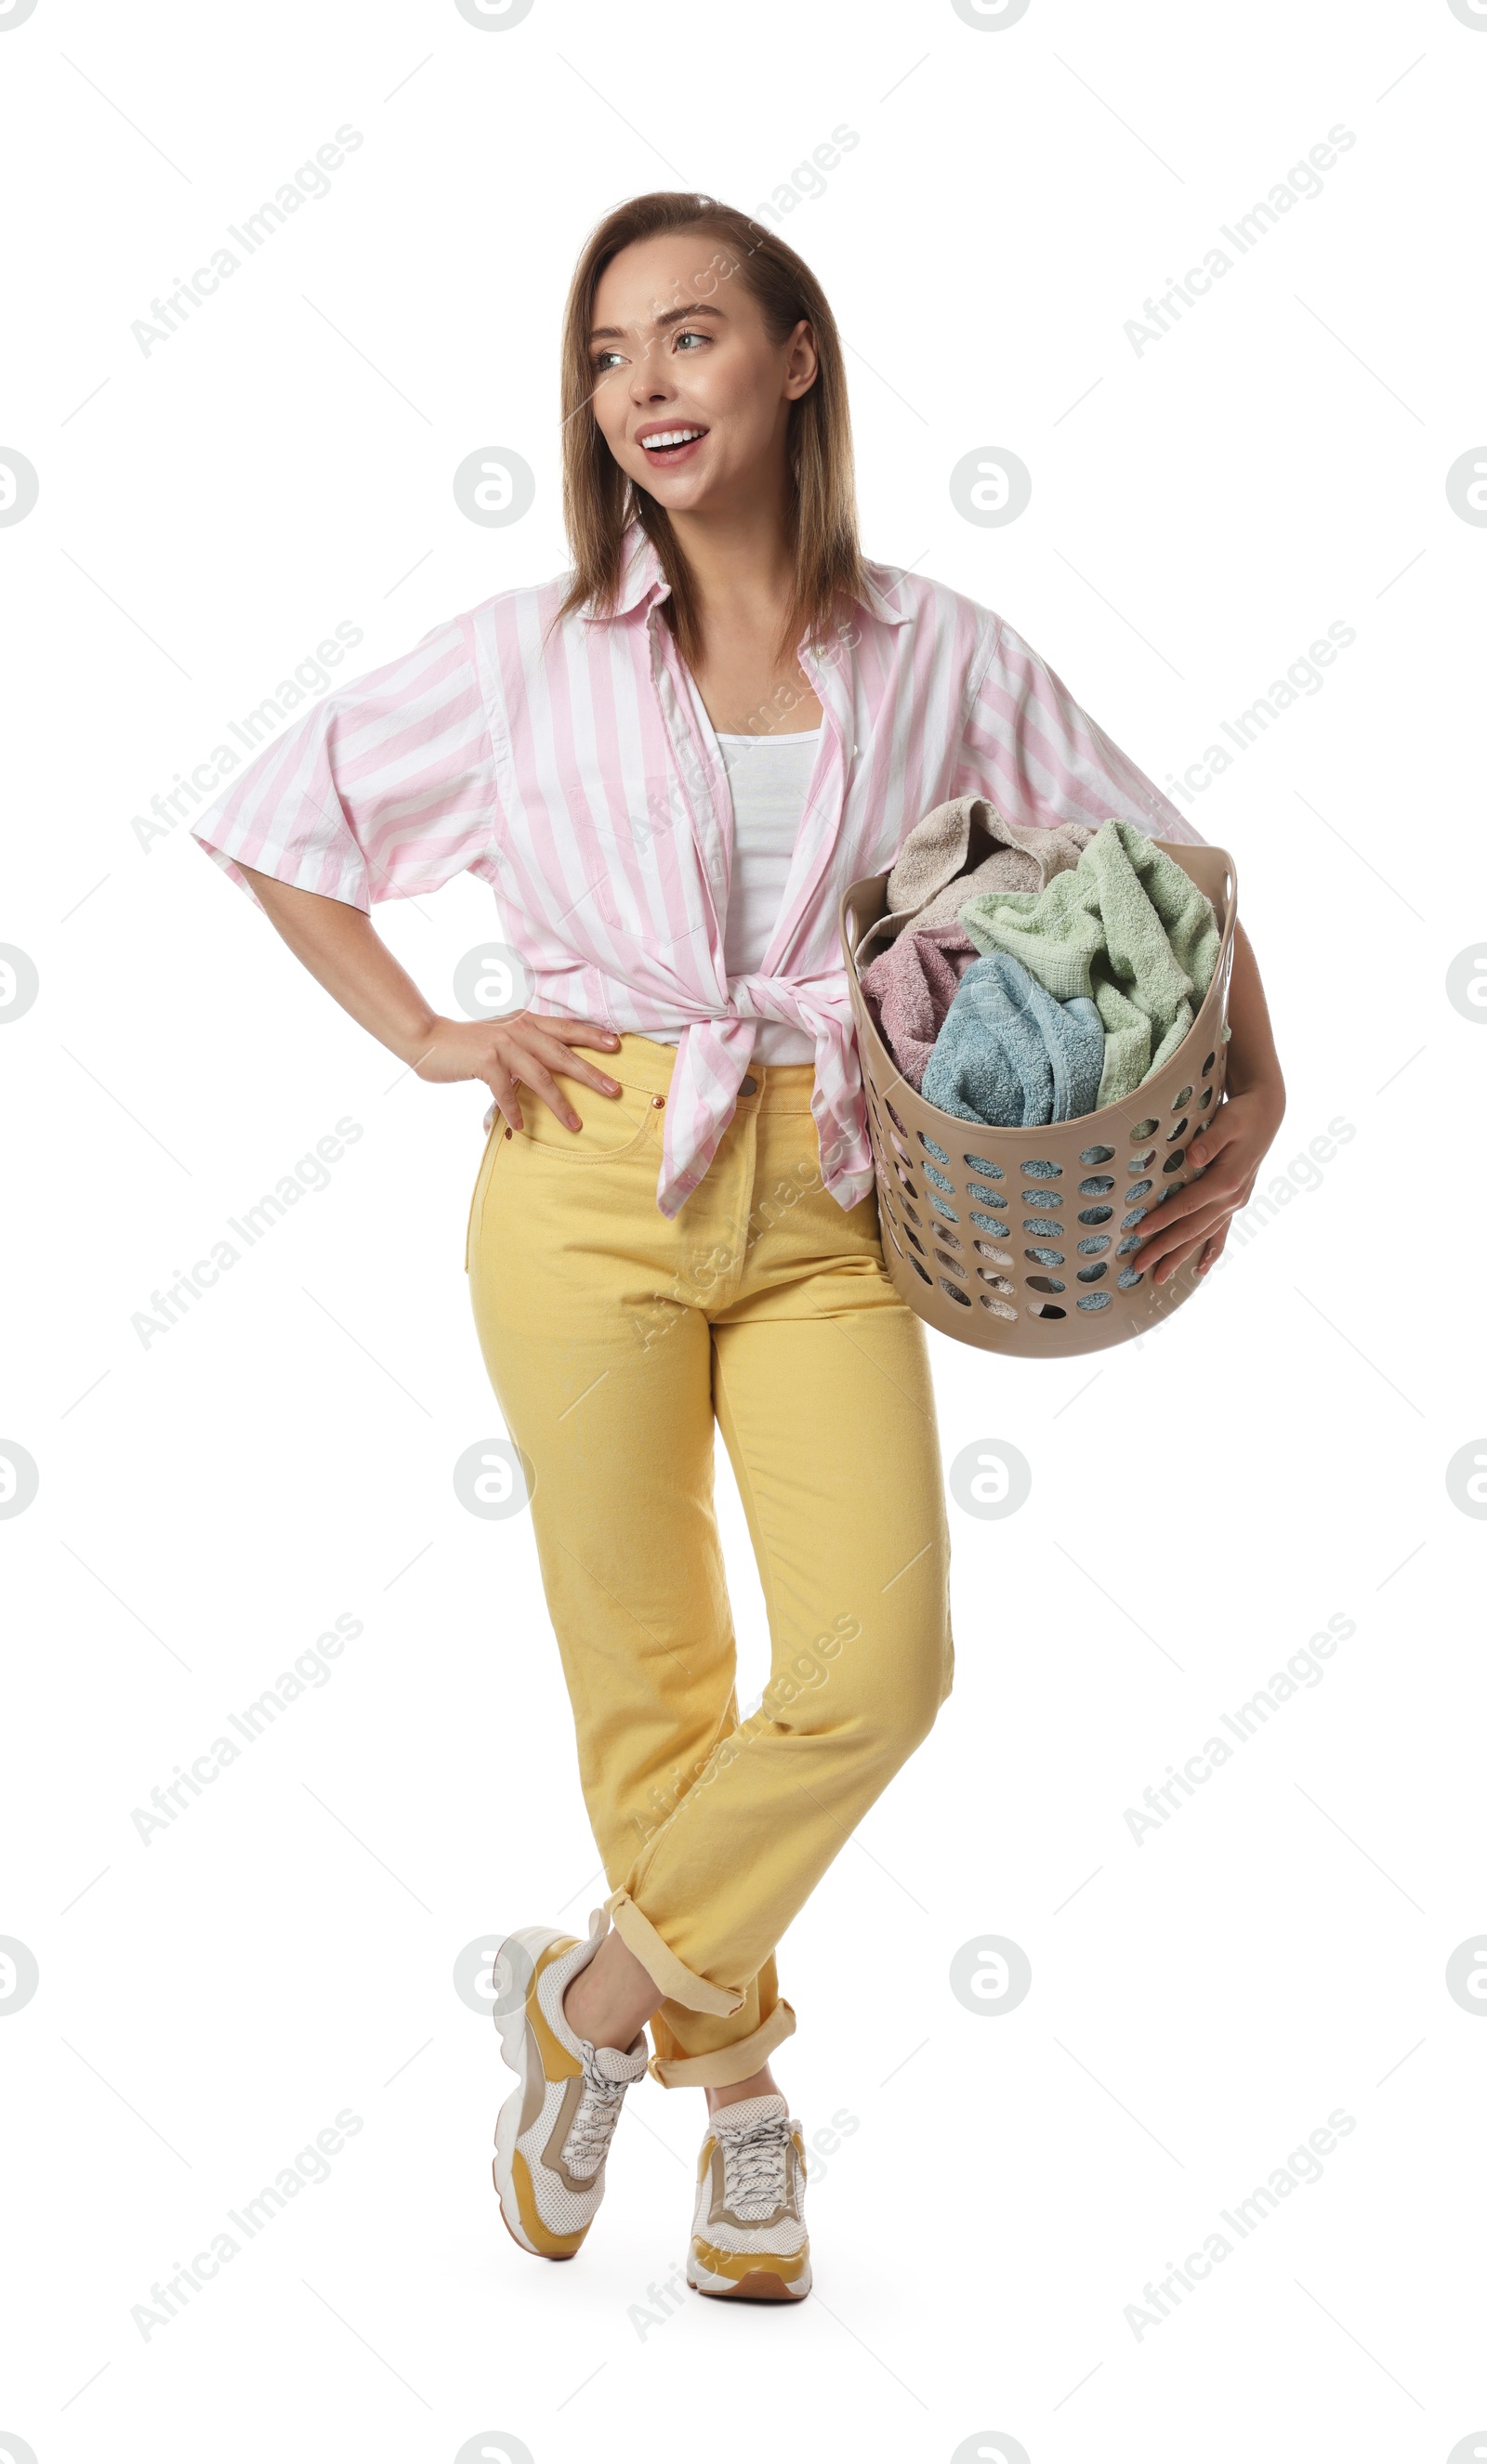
x=768, y=776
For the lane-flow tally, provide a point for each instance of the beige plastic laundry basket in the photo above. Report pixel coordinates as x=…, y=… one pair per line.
x=1020, y=1241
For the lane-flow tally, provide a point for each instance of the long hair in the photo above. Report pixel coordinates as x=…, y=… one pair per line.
x=600, y=499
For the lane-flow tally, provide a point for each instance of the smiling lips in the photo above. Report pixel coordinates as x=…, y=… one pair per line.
x=670, y=444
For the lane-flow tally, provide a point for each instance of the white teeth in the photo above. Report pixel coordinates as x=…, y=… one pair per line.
x=672, y=436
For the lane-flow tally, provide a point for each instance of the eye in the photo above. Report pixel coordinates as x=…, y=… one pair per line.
x=598, y=363
x=692, y=334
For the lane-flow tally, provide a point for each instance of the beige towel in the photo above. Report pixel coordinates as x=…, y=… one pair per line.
x=961, y=851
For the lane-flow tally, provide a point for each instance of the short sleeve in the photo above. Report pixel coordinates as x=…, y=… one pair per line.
x=1041, y=760
x=385, y=789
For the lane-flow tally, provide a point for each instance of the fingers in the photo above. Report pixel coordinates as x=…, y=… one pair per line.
x=577, y=1031
x=543, y=1083
x=1214, y=1248
x=503, y=1088
x=1241, y=1125
x=1171, y=1243
x=564, y=1033
x=561, y=1056
x=1211, y=1141
x=1193, y=1221
x=550, y=1041
x=1210, y=1193
x=1177, y=1202
x=1174, y=1265
x=504, y=1084
x=533, y=1048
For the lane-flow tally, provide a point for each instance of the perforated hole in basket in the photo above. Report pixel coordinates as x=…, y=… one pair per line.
x=1138, y=1163
x=988, y=1196
x=998, y=1282
x=1173, y=1163
x=1045, y=1257
x=1178, y=1101
x=1096, y=1214
x=1097, y=1154
x=941, y=1208
x=1177, y=1133
x=922, y=1272
x=1043, y=1227
x=1206, y=1098
x=1092, y=1274
x=955, y=1292
x=1138, y=1189
x=914, y=1237
x=930, y=1148
x=1044, y=1283
x=1144, y=1130
x=1040, y=1169
x=912, y=1214
x=990, y=1223
x=982, y=1163
x=998, y=1257
x=1208, y=1064
x=949, y=1263
x=894, y=1117
x=1094, y=1301
x=1046, y=1308
x=941, y=1180
x=998, y=1309
x=951, y=1239
x=1099, y=1185
x=1096, y=1247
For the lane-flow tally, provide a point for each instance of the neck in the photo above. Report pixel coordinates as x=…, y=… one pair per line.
x=740, y=558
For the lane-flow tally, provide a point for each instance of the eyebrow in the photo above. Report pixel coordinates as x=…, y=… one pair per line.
x=667, y=316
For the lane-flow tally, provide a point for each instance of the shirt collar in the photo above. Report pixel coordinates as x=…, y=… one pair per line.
x=642, y=583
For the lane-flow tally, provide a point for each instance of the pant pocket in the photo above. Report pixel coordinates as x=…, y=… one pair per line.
x=482, y=1181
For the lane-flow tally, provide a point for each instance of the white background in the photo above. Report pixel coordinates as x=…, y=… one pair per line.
x=1201, y=1504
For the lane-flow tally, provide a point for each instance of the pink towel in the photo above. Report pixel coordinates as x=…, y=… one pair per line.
x=909, y=987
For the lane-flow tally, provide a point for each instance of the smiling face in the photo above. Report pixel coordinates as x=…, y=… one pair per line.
x=678, y=350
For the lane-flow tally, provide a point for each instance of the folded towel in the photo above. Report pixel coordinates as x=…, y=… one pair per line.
x=959, y=850
x=910, y=986
x=1128, y=929
x=1011, y=1056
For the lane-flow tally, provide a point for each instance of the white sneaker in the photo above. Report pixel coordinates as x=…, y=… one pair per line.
x=748, y=2235
x=553, y=2132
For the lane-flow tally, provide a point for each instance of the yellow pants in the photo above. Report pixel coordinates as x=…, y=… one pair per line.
x=612, y=1338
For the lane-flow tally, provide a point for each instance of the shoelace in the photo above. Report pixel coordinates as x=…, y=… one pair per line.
x=755, y=2164
x=588, y=2142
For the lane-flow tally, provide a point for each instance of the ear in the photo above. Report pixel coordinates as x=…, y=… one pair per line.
x=802, y=361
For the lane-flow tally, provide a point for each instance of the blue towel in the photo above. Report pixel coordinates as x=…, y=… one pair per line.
x=1011, y=1056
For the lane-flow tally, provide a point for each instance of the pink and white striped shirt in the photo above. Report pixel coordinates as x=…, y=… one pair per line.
x=579, y=774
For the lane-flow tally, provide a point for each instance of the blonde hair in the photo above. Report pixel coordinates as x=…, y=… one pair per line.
x=600, y=499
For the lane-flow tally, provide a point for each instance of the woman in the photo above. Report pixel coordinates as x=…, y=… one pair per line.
x=668, y=764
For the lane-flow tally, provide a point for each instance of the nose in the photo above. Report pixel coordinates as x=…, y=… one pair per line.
x=648, y=378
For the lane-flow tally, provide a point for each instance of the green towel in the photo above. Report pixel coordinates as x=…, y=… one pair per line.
x=1128, y=929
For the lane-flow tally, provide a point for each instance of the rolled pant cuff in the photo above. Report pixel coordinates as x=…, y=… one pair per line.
x=730, y=2062
x=678, y=1983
